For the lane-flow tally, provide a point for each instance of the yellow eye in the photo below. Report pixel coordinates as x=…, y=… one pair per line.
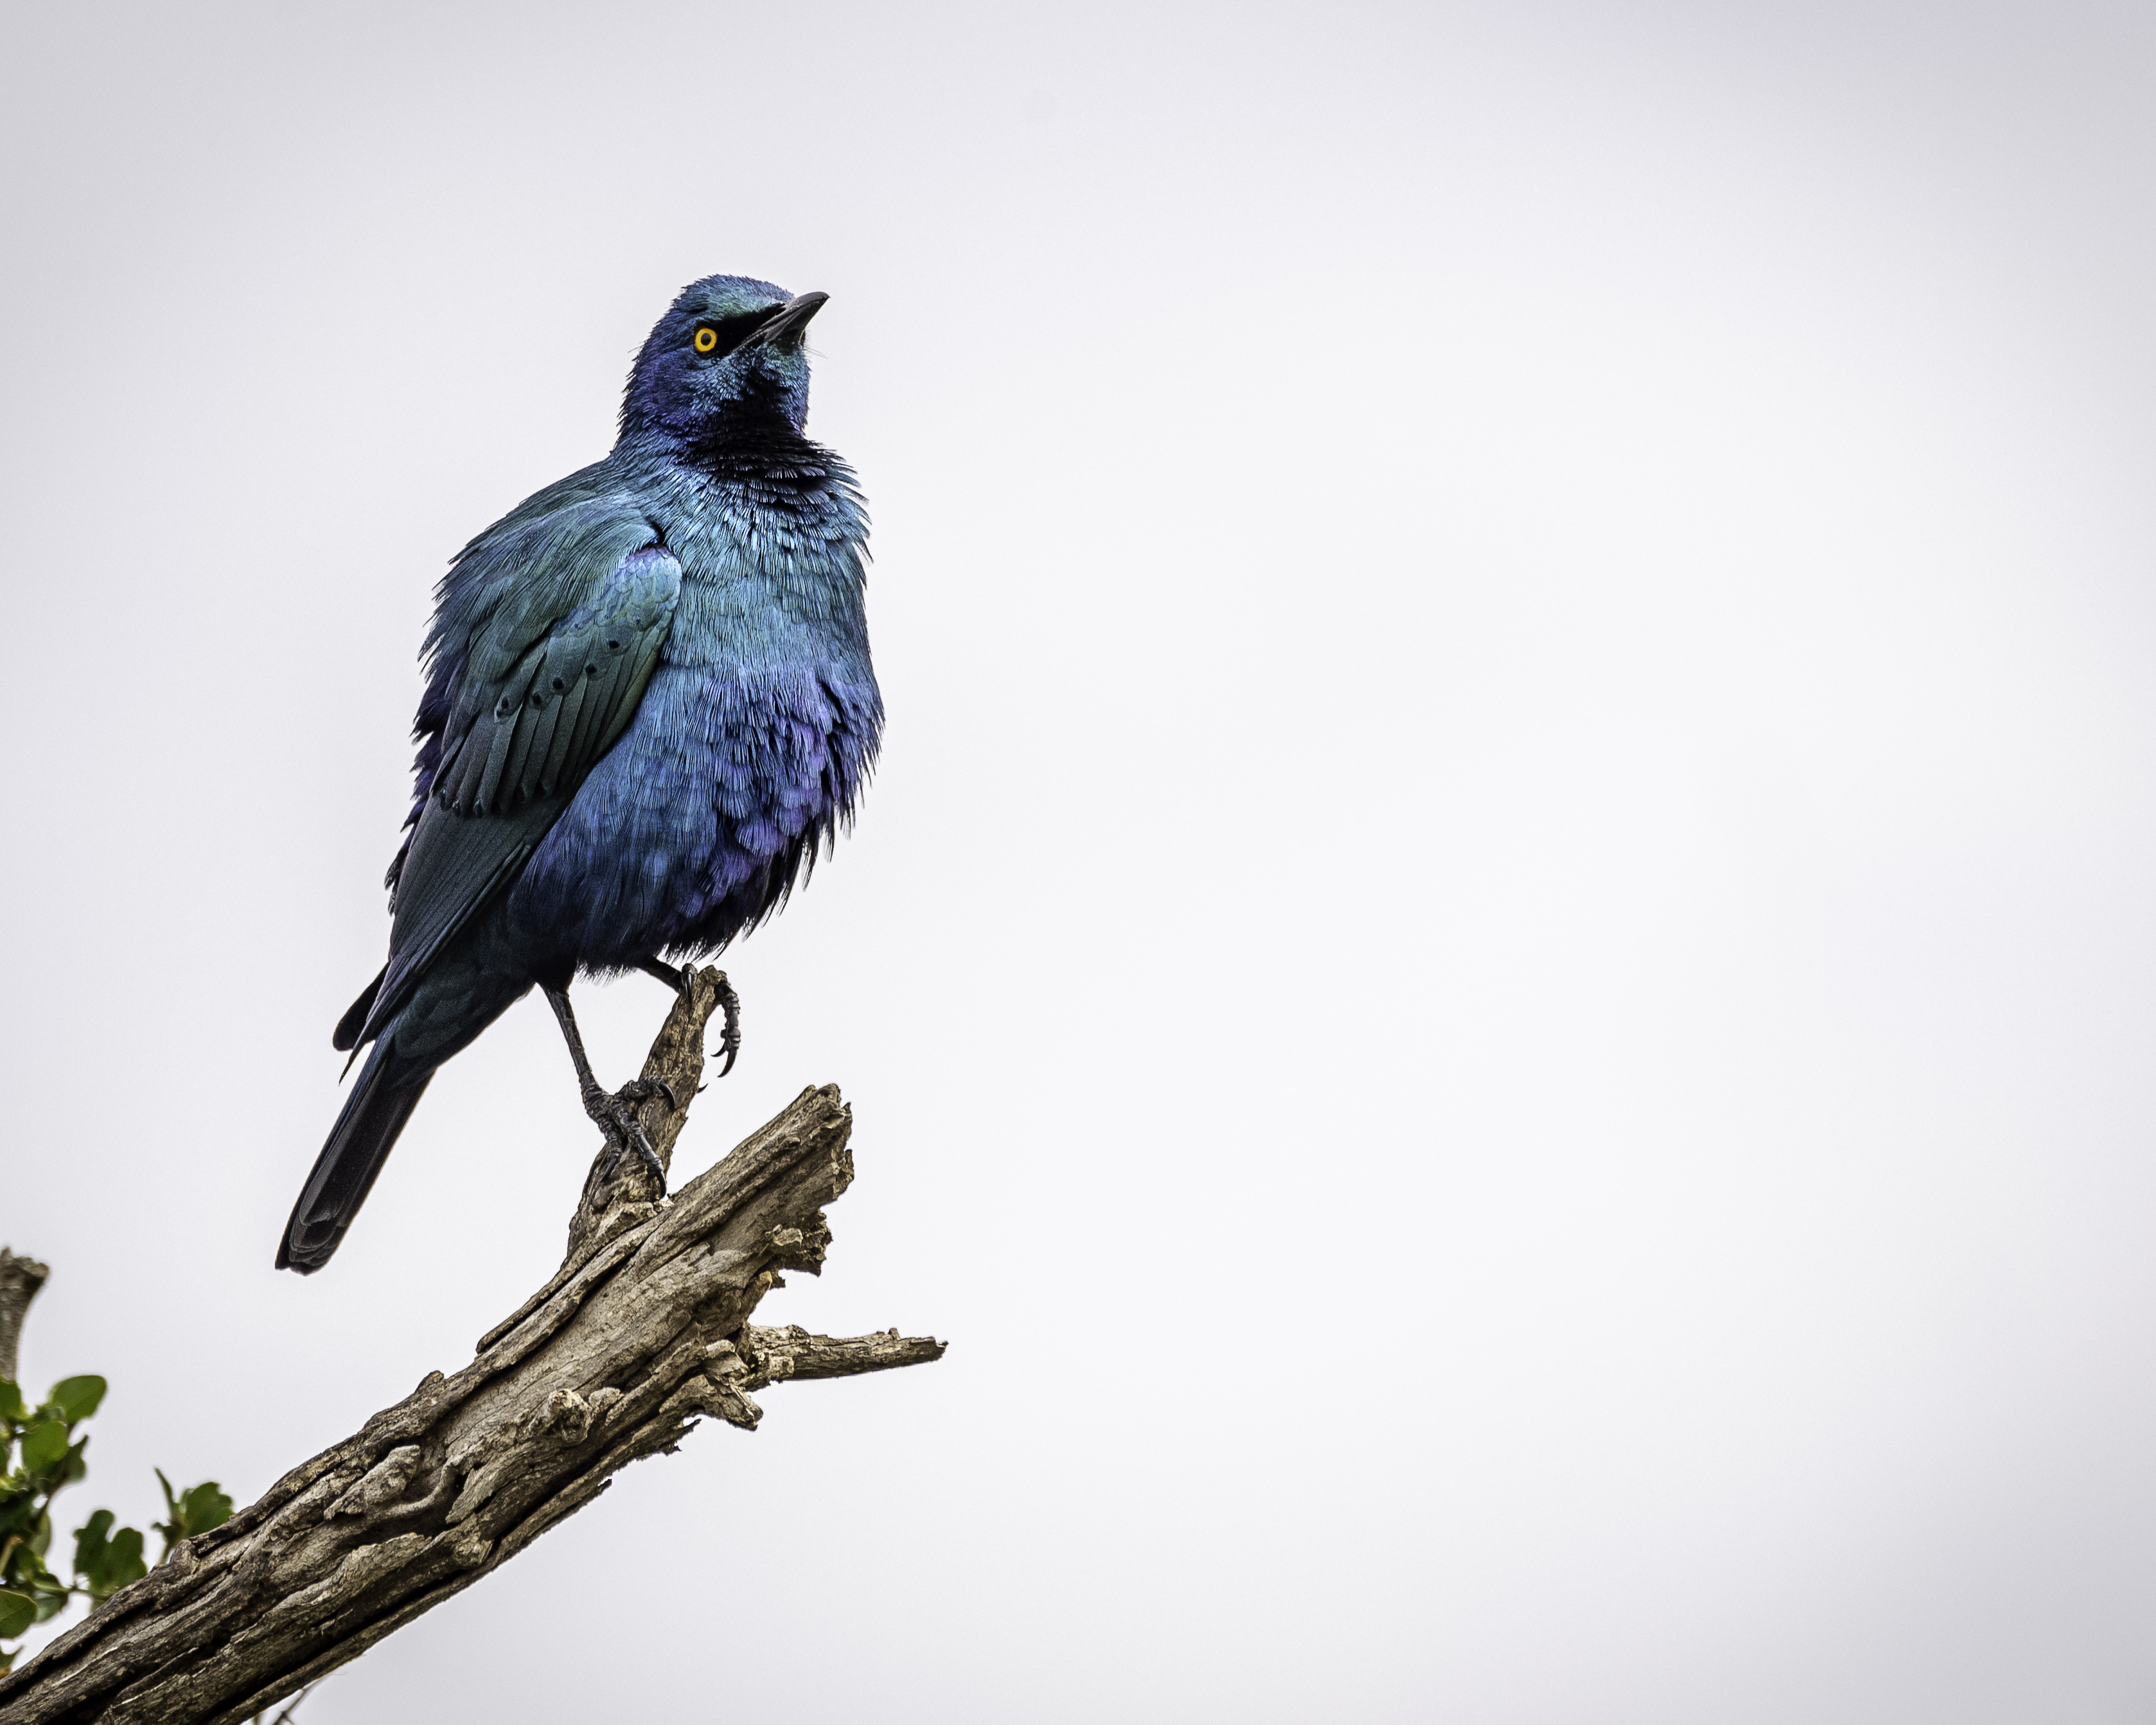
x=707, y=340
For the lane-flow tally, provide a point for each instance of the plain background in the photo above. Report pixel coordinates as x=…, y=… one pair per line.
x=1499, y=981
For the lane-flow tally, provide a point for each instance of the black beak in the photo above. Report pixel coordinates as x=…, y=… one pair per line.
x=783, y=328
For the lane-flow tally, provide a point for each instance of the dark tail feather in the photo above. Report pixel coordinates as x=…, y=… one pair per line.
x=360, y=1142
x=345, y=1037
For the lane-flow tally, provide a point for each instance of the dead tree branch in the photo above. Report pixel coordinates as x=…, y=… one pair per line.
x=20, y=1279
x=643, y=1330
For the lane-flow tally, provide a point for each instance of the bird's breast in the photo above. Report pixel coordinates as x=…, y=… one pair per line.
x=750, y=746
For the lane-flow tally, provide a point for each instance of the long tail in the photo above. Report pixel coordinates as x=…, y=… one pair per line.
x=360, y=1142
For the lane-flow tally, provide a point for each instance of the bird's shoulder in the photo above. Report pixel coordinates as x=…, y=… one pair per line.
x=543, y=559
x=574, y=555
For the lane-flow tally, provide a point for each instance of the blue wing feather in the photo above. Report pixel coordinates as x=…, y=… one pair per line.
x=551, y=622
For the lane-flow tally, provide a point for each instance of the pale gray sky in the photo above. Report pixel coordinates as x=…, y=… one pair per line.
x=1500, y=982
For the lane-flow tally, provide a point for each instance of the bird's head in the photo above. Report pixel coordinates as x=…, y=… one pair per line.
x=727, y=354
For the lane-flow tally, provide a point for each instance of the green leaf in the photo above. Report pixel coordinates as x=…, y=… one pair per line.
x=44, y=1590
x=127, y=1565
x=204, y=1506
x=45, y=1446
x=194, y=1511
x=11, y=1401
x=90, y=1542
x=16, y=1613
x=78, y=1397
x=108, y=1564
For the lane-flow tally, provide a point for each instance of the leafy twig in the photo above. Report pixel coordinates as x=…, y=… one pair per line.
x=41, y=1456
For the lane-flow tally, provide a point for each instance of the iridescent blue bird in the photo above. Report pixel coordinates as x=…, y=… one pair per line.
x=648, y=705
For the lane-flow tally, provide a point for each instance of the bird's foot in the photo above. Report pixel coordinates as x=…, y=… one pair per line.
x=730, y=1037
x=682, y=981
x=616, y=1116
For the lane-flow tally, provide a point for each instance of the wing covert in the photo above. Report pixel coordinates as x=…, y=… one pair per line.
x=518, y=743
x=522, y=738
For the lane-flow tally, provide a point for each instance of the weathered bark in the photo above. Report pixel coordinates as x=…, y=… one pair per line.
x=643, y=1330
x=20, y=1279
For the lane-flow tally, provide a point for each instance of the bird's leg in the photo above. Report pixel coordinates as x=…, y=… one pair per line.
x=677, y=980
x=615, y=1114
x=729, y=1037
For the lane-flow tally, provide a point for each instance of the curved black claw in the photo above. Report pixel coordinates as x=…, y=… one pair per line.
x=729, y=1038
x=683, y=979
